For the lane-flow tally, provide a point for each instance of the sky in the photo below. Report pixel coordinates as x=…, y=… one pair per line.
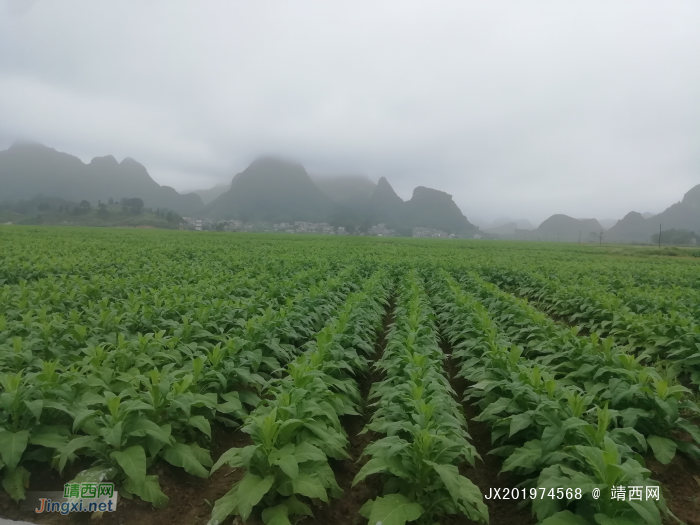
x=525, y=109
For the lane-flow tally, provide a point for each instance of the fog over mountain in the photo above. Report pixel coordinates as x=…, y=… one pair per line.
x=30, y=169
x=525, y=109
x=274, y=190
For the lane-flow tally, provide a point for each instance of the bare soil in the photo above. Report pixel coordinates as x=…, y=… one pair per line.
x=486, y=472
x=681, y=484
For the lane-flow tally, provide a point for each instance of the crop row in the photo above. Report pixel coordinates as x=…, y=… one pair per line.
x=634, y=292
x=556, y=434
x=127, y=402
x=423, y=427
x=672, y=339
x=296, y=428
x=645, y=399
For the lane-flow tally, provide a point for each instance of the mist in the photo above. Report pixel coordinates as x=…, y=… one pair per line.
x=521, y=109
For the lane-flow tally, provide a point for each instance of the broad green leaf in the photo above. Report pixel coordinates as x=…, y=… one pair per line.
x=235, y=457
x=373, y=466
x=48, y=440
x=251, y=490
x=70, y=447
x=113, y=436
x=182, y=455
x=202, y=455
x=366, y=509
x=143, y=426
x=35, y=407
x=297, y=507
x=148, y=490
x=232, y=405
x=394, y=509
x=15, y=482
x=308, y=452
x=82, y=416
x=201, y=423
x=647, y=510
x=310, y=486
x=526, y=456
x=286, y=461
x=463, y=491
x=276, y=515
x=520, y=422
x=287, y=429
x=133, y=463
x=224, y=506
x=664, y=448
x=12, y=446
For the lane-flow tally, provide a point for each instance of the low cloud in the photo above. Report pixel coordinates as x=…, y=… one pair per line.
x=519, y=109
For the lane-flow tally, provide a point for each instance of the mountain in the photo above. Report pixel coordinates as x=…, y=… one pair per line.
x=567, y=228
x=633, y=227
x=28, y=169
x=684, y=215
x=524, y=224
x=344, y=188
x=637, y=227
x=272, y=190
x=351, y=193
x=385, y=206
x=431, y=208
x=275, y=190
x=212, y=193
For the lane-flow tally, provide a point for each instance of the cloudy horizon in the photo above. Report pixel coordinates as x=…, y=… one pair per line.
x=590, y=109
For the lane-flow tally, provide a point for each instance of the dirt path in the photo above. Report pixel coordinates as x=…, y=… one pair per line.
x=345, y=510
x=485, y=473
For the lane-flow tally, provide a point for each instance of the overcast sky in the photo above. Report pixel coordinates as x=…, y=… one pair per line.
x=515, y=108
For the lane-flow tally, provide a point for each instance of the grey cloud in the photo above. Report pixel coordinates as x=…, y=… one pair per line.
x=519, y=109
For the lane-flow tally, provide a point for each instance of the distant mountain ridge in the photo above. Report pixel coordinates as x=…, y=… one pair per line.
x=565, y=228
x=272, y=190
x=683, y=215
x=29, y=169
x=276, y=190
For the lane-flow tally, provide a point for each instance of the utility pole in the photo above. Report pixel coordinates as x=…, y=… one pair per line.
x=579, y=236
x=659, y=235
x=601, y=237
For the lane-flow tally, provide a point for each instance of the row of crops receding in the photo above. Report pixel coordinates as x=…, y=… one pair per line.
x=122, y=352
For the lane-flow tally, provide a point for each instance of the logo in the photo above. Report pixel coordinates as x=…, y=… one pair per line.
x=76, y=497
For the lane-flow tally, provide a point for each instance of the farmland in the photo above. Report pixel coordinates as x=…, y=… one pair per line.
x=299, y=379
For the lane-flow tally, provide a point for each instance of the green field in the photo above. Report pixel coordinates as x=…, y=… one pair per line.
x=285, y=379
